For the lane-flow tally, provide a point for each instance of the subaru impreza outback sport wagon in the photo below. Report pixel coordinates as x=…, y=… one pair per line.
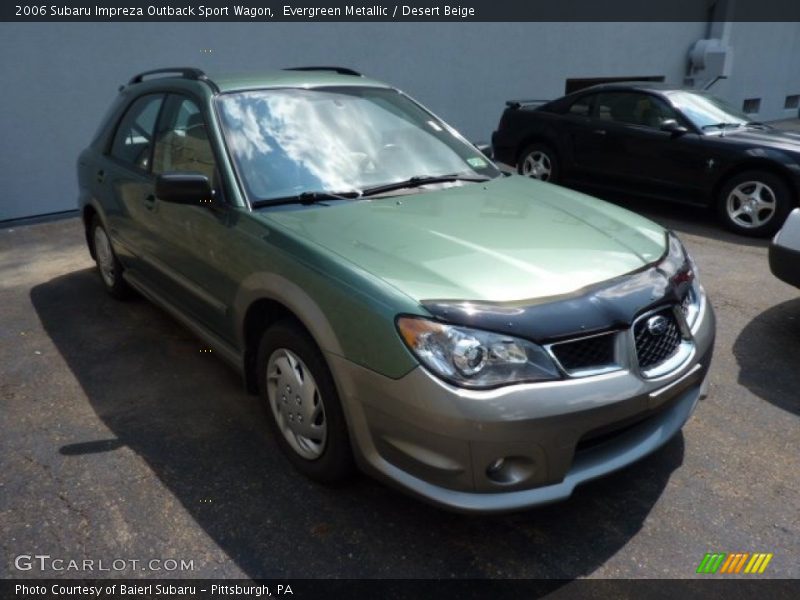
x=484, y=342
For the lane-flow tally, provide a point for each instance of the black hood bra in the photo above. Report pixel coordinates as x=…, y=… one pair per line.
x=610, y=305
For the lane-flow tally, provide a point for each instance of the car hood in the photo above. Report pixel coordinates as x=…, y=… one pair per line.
x=508, y=239
x=775, y=138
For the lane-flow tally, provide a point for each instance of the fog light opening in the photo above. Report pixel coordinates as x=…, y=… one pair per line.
x=495, y=467
x=509, y=470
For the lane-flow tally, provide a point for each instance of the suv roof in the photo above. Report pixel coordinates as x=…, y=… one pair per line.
x=230, y=82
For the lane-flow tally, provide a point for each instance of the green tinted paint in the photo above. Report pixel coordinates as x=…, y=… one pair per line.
x=509, y=239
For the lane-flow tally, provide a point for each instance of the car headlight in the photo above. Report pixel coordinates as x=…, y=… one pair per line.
x=684, y=273
x=693, y=298
x=473, y=358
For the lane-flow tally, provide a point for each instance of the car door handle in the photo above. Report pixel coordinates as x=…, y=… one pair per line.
x=599, y=132
x=101, y=176
x=150, y=202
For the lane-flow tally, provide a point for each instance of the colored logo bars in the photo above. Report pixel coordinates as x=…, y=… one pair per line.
x=720, y=562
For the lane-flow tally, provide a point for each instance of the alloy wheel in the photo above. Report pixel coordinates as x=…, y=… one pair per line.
x=751, y=204
x=537, y=165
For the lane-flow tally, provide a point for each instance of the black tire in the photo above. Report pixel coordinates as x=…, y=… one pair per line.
x=543, y=155
x=335, y=464
x=113, y=282
x=752, y=185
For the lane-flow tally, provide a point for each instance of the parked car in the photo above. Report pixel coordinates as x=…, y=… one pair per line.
x=660, y=141
x=784, y=251
x=484, y=342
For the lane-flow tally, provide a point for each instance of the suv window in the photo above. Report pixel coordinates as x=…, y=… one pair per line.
x=182, y=142
x=582, y=106
x=134, y=136
x=633, y=108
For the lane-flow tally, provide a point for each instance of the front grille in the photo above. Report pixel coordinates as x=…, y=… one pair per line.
x=653, y=348
x=588, y=353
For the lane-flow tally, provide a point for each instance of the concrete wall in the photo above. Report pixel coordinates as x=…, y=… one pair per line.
x=765, y=65
x=58, y=79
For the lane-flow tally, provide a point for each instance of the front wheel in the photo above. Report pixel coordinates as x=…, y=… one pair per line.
x=754, y=203
x=303, y=404
x=540, y=162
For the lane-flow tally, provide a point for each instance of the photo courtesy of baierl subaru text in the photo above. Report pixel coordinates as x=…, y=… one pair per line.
x=466, y=300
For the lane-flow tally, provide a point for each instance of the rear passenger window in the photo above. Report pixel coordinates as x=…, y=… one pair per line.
x=134, y=136
x=581, y=107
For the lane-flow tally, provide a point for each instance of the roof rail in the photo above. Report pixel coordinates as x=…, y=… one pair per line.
x=520, y=103
x=340, y=70
x=185, y=72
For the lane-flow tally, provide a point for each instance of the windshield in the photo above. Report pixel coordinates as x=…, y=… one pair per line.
x=707, y=111
x=287, y=142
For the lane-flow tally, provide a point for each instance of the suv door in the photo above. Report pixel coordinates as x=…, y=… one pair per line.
x=124, y=171
x=192, y=243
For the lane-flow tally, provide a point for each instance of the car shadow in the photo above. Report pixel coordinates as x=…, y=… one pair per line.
x=766, y=351
x=186, y=414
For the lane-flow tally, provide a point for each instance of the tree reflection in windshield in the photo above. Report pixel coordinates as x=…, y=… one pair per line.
x=705, y=110
x=288, y=141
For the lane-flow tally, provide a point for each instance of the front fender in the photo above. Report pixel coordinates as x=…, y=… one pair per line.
x=272, y=286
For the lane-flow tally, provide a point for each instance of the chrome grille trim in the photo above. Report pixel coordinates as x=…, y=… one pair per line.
x=682, y=352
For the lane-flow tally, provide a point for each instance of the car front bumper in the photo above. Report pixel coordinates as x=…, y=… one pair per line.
x=442, y=443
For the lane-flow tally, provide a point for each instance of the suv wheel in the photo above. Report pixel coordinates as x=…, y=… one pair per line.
x=107, y=263
x=538, y=161
x=754, y=203
x=304, y=409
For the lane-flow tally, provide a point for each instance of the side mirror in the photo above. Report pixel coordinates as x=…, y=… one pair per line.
x=673, y=127
x=184, y=188
x=484, y=148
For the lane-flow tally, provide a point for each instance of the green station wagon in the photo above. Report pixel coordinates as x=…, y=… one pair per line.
x=481, y=340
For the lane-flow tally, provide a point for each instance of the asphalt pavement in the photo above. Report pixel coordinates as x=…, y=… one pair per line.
x=121, y=440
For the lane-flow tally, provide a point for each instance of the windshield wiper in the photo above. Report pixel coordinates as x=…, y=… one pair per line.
x=307, y=198
x=721, y=126
x=419, y=181
x=758, y=125
x=313, y=197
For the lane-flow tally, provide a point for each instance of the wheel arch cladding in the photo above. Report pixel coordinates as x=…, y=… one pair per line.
x=262, y=309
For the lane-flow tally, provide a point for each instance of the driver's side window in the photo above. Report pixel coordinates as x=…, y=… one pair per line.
x=633, y=108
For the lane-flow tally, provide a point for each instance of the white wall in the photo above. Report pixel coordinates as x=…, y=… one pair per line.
x=59, y=78
x=766, y=65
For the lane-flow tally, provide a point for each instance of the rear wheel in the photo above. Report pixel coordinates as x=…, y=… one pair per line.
x=754, y=203
x=303, y=404
x=540, y=162
x=108, y=264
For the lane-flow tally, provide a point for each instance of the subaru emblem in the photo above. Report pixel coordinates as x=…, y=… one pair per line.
x=657, y=325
